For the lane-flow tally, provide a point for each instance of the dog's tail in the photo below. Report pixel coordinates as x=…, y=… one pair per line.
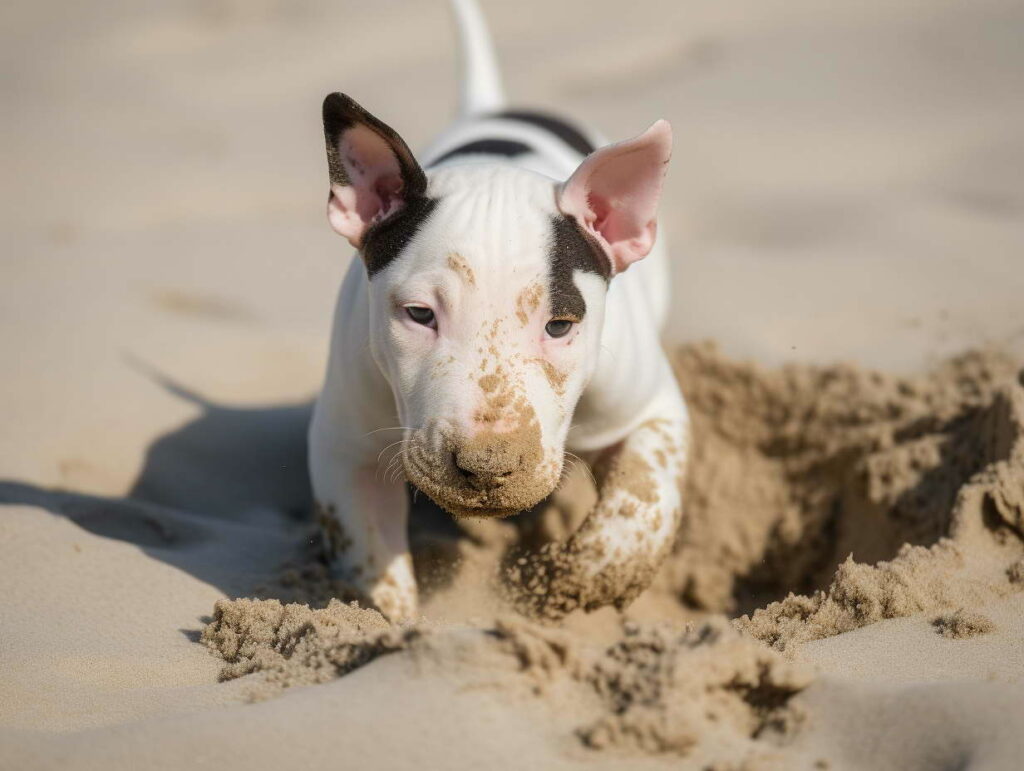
x=480, y=89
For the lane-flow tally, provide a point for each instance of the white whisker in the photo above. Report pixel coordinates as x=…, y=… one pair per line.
x=400, y=441
x=584, y=464
x=396, y=460
x=390, y=428
x=399, y=467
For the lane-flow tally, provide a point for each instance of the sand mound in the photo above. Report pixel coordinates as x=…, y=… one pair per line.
x=795, y=469
x=919, y=580
x=976, y=463
x=962, y=623
x=293, y=645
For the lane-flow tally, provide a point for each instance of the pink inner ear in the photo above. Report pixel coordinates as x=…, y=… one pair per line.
x=614, y=194
x=374, y=188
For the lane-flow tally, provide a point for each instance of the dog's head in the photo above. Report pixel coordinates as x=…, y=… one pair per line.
x=487, y=290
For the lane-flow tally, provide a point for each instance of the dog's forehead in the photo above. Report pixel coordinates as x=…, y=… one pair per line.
x=490, y=233
x=497, y=218
x=499, y=231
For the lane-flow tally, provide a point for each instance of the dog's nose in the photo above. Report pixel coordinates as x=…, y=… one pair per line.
x=486, y=467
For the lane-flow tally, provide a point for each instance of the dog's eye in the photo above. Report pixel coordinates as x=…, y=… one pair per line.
x=420, y=315
x=558, y=327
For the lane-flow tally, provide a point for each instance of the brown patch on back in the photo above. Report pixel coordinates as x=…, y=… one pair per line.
x=458, y=263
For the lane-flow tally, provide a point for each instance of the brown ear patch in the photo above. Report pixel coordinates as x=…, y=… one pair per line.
x=341, y=113
x=572, y=249
x=386, y=240
x=357, y=141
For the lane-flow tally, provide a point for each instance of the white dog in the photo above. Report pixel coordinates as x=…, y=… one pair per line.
x=492, y=320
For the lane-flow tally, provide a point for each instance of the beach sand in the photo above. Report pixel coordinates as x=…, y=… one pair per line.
x=846, y=212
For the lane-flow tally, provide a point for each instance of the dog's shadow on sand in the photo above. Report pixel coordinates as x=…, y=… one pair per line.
x=225, y=497
x=233, y=477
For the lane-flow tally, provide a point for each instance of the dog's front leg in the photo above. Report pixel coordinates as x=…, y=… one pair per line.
x=615, y=553
x=363, y=519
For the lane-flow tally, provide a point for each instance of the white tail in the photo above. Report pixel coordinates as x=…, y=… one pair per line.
x=480, y=89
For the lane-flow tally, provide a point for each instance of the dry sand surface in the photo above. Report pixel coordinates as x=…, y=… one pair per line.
x=848, y=588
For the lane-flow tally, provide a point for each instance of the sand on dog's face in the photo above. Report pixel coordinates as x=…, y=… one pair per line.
x=922, y=479
x=485, y=390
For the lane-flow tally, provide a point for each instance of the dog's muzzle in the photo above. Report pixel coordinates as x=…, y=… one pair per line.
x=483, y=477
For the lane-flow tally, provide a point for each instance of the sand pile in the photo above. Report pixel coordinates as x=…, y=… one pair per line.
x=876, y=496
x=795, y=469
x=293, y=644
x=823, y=465
x=962, y=623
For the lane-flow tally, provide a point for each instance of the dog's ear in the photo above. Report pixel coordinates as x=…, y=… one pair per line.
x=614, y=194
x=373, y=172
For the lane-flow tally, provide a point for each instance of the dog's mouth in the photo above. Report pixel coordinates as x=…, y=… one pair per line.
x=453, y=493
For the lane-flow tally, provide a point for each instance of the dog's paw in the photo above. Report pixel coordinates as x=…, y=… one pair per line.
x=560, y=578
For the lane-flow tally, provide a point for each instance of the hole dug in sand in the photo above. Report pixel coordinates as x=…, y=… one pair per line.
x=871, y=496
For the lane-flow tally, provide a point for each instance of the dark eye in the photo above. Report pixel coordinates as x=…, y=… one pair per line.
x=420, y=315
x=558, y=327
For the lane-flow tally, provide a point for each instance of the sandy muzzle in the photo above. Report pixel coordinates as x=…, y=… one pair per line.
x=430, y=465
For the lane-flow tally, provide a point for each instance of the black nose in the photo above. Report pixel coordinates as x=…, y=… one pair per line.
x=485, y=467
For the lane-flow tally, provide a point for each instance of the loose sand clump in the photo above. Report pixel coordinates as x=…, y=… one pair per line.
x=962, y=623
x=659, y=688
x=918, y=580
x=295, y=645
x=666, y=691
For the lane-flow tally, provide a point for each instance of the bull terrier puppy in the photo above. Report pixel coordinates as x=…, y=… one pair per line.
x=489, y=326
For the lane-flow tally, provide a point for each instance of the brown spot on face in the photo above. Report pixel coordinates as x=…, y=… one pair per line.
x=527, y=301
x=458, y=264
x=555, y=376
x=488, y=383
x=498, y=398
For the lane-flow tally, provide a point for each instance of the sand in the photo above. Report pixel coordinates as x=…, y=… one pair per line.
x=962, y=623
x=847, y=591
x=935, y=464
